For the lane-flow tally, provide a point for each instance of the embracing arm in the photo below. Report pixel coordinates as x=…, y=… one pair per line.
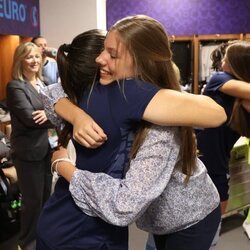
x=20, y=105
x=50, y=95
x=236, y=88
x=58, y=106
x=122, y=201
x=169, y=107
x=90, y=133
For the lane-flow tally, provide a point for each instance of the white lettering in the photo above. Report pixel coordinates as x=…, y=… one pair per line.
x=22, y=13
x=15, y=11
x=1, y=8
x=7, y=9
x=12, y=10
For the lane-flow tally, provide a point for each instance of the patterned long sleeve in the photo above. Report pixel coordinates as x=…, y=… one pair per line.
x=122, y=201
x=50, y=95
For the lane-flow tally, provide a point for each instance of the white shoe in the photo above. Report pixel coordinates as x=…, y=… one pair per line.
x=246, y=227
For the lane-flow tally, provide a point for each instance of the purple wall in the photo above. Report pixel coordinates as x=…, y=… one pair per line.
x=187, y=17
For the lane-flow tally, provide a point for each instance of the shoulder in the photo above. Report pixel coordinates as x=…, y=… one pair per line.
x=221, y=77
x=51, y=63
x=163, y=134
x=217, y=80
x=139, y=89
x=136, y=83
x=15, y=84
x=51, y=60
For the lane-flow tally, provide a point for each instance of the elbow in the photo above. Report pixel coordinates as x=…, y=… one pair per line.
x=220, y=117
x=122, y=222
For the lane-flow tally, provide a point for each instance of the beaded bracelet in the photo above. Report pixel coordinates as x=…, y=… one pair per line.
x=54, y=164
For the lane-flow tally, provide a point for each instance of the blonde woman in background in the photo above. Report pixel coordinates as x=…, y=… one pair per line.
x=30, y=147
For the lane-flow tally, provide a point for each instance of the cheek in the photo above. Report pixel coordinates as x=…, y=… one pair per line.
x=113, y=66
x=25, y=65
x=130, y=68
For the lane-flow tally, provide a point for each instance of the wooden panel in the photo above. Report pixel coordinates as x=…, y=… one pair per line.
x=247, y=37
x=25, y=39
x=196, y=66
x=8, y=45
x=180, y=38
x=216, y=37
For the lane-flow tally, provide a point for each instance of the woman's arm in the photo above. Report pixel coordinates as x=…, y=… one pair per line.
x=237, y=89
x=91, y=133
x=85, y=129
x=121, y=202
x=169, y=107
x=20, y=105
x=50, y=95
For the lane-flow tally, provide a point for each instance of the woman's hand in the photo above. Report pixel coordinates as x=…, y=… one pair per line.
x=87, y=132
x=39, y=117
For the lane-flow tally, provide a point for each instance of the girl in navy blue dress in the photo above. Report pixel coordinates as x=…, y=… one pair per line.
x=117, y=103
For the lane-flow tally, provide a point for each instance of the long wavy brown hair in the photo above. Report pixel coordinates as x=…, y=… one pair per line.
x=148, y=44
x=238, y=58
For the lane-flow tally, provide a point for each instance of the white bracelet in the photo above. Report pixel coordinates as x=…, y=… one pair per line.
x=54, y=164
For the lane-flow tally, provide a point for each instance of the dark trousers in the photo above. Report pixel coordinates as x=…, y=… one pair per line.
x=196, y=237
x=34, y=181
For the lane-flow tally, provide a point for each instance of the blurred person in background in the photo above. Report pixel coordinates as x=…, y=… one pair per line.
x=49, y=70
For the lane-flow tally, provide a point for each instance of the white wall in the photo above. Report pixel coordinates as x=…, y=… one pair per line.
x=62, y=20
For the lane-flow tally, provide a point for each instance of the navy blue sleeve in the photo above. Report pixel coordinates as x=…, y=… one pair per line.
x=217, y=80
x=138, y=94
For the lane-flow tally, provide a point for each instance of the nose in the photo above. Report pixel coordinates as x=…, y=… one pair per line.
x=36, y=59
x=101, y=59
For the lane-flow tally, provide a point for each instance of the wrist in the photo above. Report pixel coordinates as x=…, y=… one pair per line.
x=79, y=116
x=55, y=164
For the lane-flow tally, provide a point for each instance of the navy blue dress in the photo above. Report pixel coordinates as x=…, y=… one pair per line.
x=117, y=108
x=215, y=144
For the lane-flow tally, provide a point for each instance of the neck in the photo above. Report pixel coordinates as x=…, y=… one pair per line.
x=31, y=77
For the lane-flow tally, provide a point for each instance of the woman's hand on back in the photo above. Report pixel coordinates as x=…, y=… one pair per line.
x=87, y=132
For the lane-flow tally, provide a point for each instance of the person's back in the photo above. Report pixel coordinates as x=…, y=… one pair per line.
x=215, y=144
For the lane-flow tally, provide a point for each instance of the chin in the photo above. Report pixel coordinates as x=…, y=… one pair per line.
x=105, y=81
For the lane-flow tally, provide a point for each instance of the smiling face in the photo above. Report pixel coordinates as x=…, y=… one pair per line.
x=115, y=61
x=32, y=62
